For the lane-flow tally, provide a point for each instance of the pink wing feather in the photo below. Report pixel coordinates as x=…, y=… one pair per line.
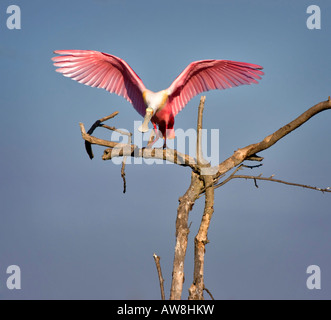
x=102, y=70
x=205, y=75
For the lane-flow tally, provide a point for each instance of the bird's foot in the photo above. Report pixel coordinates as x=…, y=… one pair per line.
x=149, y=146
x=151, y=143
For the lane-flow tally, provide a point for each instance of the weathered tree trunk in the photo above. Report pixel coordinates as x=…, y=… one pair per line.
x=185, y=206
x=200, y=241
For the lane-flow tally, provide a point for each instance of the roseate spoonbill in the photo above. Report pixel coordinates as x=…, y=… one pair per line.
x=102, y=70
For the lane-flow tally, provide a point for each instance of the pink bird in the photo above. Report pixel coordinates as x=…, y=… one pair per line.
x=102, y=70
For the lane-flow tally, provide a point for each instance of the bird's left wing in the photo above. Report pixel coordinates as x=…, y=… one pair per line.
x=102, y=70
x=205, y=75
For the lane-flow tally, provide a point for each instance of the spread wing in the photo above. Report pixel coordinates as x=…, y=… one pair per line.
x=102, y=70
x=205, y=75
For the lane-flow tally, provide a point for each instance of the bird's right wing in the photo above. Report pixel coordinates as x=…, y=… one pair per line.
x=205, y=75
x=102, y=70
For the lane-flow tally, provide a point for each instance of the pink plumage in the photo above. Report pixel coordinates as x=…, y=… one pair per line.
x=205, y=75
x=102, y=70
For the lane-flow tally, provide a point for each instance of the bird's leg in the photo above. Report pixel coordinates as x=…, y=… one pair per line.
x=165, y=137
x=150, y=141
x=150, y=144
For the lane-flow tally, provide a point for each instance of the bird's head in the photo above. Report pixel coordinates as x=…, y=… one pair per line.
x=154, y=102
x=147, y=119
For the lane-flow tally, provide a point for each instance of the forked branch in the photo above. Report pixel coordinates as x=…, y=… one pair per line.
x=200, y=184
x=116, y=149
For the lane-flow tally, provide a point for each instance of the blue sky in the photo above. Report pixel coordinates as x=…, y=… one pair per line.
x=64, y=219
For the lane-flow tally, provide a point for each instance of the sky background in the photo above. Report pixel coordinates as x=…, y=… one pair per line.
x=64, y=219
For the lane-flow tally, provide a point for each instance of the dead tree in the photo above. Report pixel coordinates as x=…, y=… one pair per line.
x=202, y=184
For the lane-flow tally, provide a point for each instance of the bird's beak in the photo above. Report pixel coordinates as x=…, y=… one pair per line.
x=148, y=117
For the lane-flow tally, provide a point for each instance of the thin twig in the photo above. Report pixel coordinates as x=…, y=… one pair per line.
x=254, y=157
x=113, y=115
x=96, y=124
x=209, y=293
x=328, y=189
x=159, y=272
x=124, y=162
x=115, y=129
x=199, y=130
x=123, y=174
x=255, y=183
x=252, y=167
x=223, y=182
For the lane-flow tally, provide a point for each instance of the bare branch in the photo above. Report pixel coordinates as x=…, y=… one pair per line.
x=211, y=296
x=255, y=183
x=121, y=149
x=123, y=174
x=254, y=157
x=247, y=152
x=224, y=181
x=124, y=133
x=199, y=132
x=113, y=115
x=96, y=124
x=159, y=272
x=252, y=167
x=328, y=189
x=124, y=162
